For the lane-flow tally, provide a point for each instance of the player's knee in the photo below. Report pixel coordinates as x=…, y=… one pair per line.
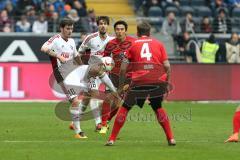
x=74, y=102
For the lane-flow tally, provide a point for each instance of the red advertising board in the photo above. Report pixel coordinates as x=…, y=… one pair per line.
x=30, y=81
x=25, y=81
x=205, y=82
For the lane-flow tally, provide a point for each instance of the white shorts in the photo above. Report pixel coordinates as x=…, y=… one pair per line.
x=77, y=80
x=94, y=83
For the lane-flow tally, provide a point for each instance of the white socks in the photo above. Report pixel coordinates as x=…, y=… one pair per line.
x=75, y=114
x=94, y=105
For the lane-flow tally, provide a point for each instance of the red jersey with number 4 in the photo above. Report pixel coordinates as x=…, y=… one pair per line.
x=117, y=49
x=146, y=57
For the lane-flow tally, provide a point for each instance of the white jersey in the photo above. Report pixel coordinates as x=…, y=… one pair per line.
x=96, y=45
x=61, y=47
x=78, y=78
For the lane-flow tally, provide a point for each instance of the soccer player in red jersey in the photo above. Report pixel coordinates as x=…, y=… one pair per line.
x=236, y=126
x=115, y=48
x=142, y=65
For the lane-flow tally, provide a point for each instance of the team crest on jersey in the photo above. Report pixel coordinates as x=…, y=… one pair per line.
x=71, y=47
x=62, y=46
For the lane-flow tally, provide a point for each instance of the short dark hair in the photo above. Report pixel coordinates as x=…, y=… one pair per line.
x=104, y=18
x=66, y=22
x=143, y=28
x=121, y=22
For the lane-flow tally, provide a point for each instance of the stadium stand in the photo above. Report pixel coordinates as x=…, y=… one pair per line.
x=84, y=12
x=116, y=10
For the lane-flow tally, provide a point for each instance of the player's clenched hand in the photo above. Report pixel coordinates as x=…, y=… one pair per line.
x=62, y=59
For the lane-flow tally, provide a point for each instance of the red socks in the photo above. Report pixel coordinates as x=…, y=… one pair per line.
x=105, y=112
x=164, y=122
x=118, y=123
x=236, y=122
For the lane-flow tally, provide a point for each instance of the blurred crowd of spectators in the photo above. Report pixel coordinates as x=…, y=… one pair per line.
x=201, y=16
x=181, y=19
x=42, y=16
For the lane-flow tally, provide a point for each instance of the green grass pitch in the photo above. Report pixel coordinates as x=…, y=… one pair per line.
x=31, y=131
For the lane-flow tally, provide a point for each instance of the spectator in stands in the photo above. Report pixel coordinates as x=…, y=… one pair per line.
x=222, y=24
x=73, y=15
x=53, y=23
x=81, y=10
x=22, y=4
x=7, y=28
x=233, y=49
x=171, y=26
x=221, y=53
x=5, y=21
x=188, y=24
x=189, y=48
x=217, y=4
x=23, y=25
x=209, y=49
x=59, y=7
x=92, y=21
x=206, y=26
x=31, y=15
x=37, y=4
x=138, y=4
x=49, y=10
x=67, y=8
x=40, y=25
x=150, y=3
x=10, y=9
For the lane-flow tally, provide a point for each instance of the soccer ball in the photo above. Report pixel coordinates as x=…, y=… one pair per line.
x=108, y=63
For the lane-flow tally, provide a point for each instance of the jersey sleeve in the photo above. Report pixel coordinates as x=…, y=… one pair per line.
x=51, y=42
x=163, y=53
x=85, y=45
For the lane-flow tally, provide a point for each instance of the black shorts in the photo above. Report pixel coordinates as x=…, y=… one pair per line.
x=58, y=75
x=138, y=94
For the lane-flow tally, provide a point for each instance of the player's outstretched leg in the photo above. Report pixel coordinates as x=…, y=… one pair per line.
x=105, y=115
x=236, y=126
x=75, y=111
x=118, y=123
x=163, y=120
x=94, y=105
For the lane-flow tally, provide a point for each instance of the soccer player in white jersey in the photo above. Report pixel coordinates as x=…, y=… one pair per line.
x=96, y=42
x=80, y=78
x=63, y=54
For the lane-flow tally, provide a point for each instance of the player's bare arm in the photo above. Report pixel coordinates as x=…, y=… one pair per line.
x=78, y=59
x=167, y=68
x=52, y=53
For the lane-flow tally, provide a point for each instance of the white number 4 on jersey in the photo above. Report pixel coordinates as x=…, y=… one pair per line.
x=145, y=53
